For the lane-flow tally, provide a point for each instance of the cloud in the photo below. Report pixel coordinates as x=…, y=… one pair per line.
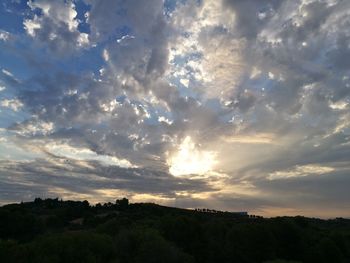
x=7, y=73
x=206, y=51
x=71, y=177
x=13, y=104
x=67, y=151
x=252, y=15
x=32, y=127
x=300, y=171
x=262, y=85
x=310, y=195
x=4, y=35
x=56, y=26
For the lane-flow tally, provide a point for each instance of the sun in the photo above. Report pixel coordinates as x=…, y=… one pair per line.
x=189, y=160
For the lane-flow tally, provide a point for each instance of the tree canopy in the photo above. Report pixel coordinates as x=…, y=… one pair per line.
x=53, y=230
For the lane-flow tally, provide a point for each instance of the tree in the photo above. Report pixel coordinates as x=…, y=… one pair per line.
x=122, y=204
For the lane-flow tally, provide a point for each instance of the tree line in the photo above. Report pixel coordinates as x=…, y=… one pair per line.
x=52, y=230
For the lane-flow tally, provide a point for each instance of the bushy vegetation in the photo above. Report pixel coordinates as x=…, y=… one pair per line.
x=52, y=230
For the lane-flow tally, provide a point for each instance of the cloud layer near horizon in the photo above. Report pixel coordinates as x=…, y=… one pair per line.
x=234, y=105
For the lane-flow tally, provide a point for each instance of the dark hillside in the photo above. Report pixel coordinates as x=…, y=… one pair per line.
x=52, y=230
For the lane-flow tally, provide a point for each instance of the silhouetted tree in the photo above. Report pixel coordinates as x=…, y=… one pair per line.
x=122, y=204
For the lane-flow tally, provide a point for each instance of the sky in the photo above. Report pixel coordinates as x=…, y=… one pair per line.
x=224, y=104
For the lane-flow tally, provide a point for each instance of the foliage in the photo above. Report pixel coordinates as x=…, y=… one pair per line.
x=53, y=230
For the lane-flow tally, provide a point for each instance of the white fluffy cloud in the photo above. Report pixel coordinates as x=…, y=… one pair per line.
x=4, y=35
x=13, y=104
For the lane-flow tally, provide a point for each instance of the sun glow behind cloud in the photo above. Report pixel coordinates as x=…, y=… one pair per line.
x=189, y=160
